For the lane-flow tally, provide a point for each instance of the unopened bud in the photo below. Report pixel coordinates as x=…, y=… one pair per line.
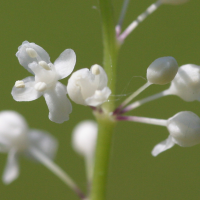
x=84, y=138
x=19, y=84
x=31, y=52
x=162, y=70
x=44, y=65
x=173, y=2
x=40, y=86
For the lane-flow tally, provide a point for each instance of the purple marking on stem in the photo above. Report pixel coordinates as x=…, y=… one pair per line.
x=80, y=193
x=122, y=118
x=118, y=110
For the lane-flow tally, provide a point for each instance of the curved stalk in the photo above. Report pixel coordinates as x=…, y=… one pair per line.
x=57, y=171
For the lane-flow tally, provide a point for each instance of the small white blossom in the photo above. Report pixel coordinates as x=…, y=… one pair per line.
x=84, y=139
x=173, y=2
x=162, y=70
x=184, y=130
x=186, y=83
x=17, y=139
x=89, y=87
x=37, y=61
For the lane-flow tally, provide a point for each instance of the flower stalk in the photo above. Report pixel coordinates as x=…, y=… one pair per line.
x=57, y=171
x=105, y=122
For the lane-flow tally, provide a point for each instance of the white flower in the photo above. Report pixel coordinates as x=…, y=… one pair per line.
x=186, y=83
x=184, y=130
x=17, y=139
x=173, y=2
x=89, y=87
x=84, y=137
x=162, y=70
x=37, y=61
x=84, y=142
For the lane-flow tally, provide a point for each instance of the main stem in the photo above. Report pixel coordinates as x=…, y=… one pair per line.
x=105, y=122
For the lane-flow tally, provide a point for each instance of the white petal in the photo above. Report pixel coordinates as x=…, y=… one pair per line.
x=58, y=103
x=163, y=146
x=81, y=86
x=99, y=97
x=101, y=80
x=65, y=63
x=25, y=59
x=11, y=171
x=74, y=92
x=28, y=93
x=44, y=142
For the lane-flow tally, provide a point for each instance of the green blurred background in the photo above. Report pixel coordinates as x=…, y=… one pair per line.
x=134, y=173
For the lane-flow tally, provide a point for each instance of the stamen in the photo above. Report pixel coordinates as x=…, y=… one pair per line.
x=40, y=86
x=95, y=70
x=19, y=84
x=44, y=65
x=31, y=52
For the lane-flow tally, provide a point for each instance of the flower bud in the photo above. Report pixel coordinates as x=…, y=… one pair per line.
x=162, y=70
x=13, y=130
x=186, y=83
x=173, y=2
x=84, y=138
x=89, y=87
x=184, y=127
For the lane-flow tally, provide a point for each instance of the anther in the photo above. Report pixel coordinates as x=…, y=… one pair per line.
x=95, y=70
x=31, y=52
x=40, y=86
x=44, y=65
x=19, y=84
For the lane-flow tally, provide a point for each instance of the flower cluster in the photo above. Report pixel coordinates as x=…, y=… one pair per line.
x=86, y=87
x=89, y=87
x=17, y=139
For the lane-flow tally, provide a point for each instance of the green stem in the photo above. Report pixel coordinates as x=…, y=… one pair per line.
x=110, y=47
x=105, y=122
x=102, y=156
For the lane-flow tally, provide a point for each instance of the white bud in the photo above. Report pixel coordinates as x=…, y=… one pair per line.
x=162, y=70
x=173, y=2
x=40, y=86
x=95, y=69
x=19, y=84
x=31, y=52
x=44, y=65
x=186, y=83
x=84, y=138
x=184, y=127
x=13, y=130
x=86, y=89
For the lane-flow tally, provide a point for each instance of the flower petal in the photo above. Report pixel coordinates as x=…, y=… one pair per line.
x=58, y=103
x=101, y=80
x=28, y=93
x=11, y=171
x=65, y=63
x=25, y=59
x=99, y=97
x=44, y=142
x=163, y=146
